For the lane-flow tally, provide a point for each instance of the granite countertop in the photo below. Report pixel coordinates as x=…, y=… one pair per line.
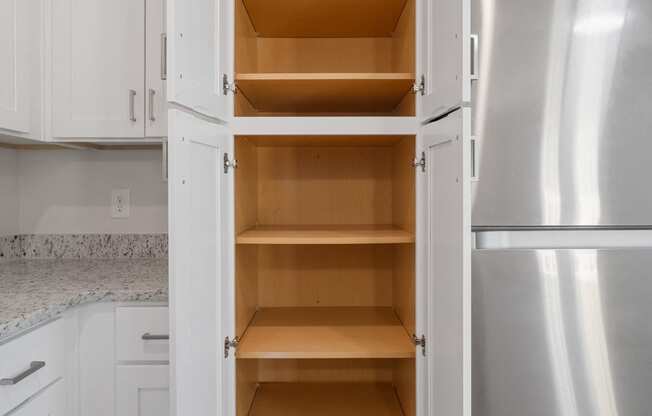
x=33, y=291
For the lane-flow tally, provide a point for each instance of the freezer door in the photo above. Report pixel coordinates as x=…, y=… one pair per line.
x=562, y=112
x=562, y=332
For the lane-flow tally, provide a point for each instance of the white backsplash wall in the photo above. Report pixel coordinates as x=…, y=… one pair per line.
x=8, y=192
x=69, y=191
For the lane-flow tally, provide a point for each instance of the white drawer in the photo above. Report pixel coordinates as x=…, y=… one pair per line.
x=45, y=344
x=140, y=333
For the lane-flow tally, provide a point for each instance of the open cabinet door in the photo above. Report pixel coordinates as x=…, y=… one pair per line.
x=201, y=266
x=444, y=58
x=199, y=55
x=444, y=266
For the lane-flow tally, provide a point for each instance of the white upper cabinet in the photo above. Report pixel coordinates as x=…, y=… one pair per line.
x=444, y=55
x=97, y=61
x=200, y=55
x=444, y=265
x=14, y=70
x=156, y=111
x=201, y=266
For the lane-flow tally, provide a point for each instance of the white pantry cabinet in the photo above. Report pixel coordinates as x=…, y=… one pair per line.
x=103, y=69
x=328, y=268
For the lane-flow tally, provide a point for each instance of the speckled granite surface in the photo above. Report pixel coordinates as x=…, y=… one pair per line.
x=84, y=246
x=10, y=246
x=36, y=290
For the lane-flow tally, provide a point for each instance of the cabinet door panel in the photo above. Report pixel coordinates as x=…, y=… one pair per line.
x=14, y=49
x=444, y=38
x=97, y=65
x=50, y=402
x=156, y=124
x=444, y=266
x=201, y=265
x=200, y=49
x=142, y=390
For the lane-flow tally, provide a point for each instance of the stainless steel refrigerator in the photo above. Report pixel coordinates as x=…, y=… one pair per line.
x=562, y=210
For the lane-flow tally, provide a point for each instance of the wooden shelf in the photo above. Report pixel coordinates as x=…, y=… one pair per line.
x=341, y=234
x=325, y=92
x=325, y=399
x=323, y=333
x=319, y=18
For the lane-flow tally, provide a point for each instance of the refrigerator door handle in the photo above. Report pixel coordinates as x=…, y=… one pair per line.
x=475, y=56
x=474, y=159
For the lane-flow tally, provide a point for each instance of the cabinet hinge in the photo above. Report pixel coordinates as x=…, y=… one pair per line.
x=420, y=162
x=228, y=344
x=420, y=342
x=228, y=163
x=228, y=86
x=419, y=87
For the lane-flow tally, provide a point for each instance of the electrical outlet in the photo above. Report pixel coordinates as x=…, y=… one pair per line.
x=120, y=203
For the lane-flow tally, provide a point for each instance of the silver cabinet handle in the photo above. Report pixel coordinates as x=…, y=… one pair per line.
x=132, y=98
x=149, y=337
x=152, y=93
x=474, y=57
x=164, y=56
x=164, y=159
x=34, y=366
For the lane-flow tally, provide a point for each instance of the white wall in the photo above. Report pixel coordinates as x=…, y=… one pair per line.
x=8, y=192
x=69, y=191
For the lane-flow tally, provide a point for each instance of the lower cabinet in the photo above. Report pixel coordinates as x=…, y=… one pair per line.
x=123, y=365
x=103, y=359
x=50, y=402
x=142, y=390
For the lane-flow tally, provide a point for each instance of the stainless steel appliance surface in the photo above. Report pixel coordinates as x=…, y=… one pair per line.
x=562, y=332
x=563, y=113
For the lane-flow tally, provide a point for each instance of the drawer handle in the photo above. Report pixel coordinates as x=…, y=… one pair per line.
x=149, y=337
x=34, y=366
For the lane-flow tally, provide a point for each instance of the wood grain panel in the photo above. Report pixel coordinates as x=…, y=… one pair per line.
x=325, y=55
x=403, y=41
x=246, y=286
x=405, y=379
x=325, y=333
x=325, y=399
x=246, y=257
x=325, y=234
x=293, y=275
x=246, y=41
x=312, y=371
x=325, y=141
x=325, y=92
x=404, y=216
x=246, y=185
x=324, y=18
x=324, y=185
x=246, y=385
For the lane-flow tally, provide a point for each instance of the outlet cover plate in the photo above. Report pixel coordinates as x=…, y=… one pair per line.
x=120, y=203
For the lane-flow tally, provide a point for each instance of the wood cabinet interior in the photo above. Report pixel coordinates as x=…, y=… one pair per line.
x=292, y=59
x=326, y=399
x=310, y=295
